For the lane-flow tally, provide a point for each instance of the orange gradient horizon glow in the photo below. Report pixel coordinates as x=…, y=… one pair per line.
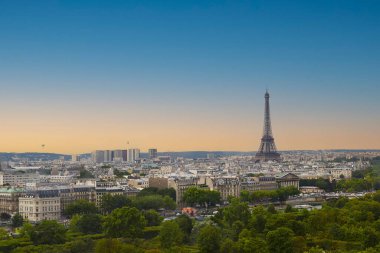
x=72, y=132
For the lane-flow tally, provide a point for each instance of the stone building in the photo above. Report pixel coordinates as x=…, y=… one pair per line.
x=288, y=179
x=73, y=193
x=40, y=205
x=226, y=186
x=180, y=185
x=9, y=199
x=101, y=191
x=158, y=182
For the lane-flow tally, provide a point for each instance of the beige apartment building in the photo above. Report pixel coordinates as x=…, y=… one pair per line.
x=226, y=186
x=36, y=207
x=181, y=185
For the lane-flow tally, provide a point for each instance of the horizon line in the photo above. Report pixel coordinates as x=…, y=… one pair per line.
x=205, y=151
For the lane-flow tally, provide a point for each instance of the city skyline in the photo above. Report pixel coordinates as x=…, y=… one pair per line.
x=78, y=76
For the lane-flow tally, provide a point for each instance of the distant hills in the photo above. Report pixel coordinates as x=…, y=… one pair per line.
x=33, y=156
x=52, y=156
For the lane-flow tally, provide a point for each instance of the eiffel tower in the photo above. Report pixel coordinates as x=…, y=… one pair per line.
x=267, y=150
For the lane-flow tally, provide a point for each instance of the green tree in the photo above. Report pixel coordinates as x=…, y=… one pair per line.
x=85, y=174
x=288, y=209
x=90, y=224
x=170, y=234
x=251, y=245
x=299, y=244
x=124, y=222
x=315, y=250
x=112, y=202
x=26, y=230
x=258, y=222
x=83, y=245
x=168, y=192
x=285, y=192
x=73, y=226
x=195, y=195
x=17, y=220
x=110, y=245
x=3, y=234
x=169, y=203
x=209, y=239
x=280, y=240
x=153, y=218
x=237, y=227
x=371, y=238
x=192, y=195
x=120, y=174
x=155, y=191
x=186, y=225
x=376, y=196
x=228, y=246
x=81, y=207
x=271, y=209
x=148, y=191
x=236, y=211
x=153, y=202
x=48, y=232
x=245, y=196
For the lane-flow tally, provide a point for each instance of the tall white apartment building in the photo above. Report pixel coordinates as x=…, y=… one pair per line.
x=152, y=153
x=75, y=158
x=133, y=155
x=120, y=155
x=97, y=156
x=108, y=155
x=18, y=178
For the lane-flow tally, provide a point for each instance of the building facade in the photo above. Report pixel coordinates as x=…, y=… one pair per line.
x=36, y=207
x=133, y=155
x=226, y=186
x=180, y=185
x=9, y=198
x=18, y=178
x=152, y=153
x=97, y=156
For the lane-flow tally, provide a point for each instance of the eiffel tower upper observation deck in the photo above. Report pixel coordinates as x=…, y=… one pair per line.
x=267, y=150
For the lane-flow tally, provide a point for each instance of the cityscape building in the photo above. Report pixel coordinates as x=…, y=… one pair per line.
x=97, y=156
x=133, y=155
x=152, y=153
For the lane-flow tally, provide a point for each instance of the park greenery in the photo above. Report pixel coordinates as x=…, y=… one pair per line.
x=342, y=225
x=202, y=197
x=362, y=180
x=244, y=225
x=281, y=195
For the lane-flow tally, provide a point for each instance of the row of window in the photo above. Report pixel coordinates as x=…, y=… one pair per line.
x=44, y=209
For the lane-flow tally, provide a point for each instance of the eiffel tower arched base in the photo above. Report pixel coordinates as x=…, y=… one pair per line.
x=265, y=157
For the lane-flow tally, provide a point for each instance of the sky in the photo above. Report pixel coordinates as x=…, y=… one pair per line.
x=188, y=75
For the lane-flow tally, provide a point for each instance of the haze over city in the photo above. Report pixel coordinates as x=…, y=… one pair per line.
x=188, y=75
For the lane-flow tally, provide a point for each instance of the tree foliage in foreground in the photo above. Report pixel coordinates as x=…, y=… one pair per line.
x=204, y=197
x=124, y=222
x=48, y=232
x=170, y=234
x=209, y=239
x=112, y=202
x=81, y=207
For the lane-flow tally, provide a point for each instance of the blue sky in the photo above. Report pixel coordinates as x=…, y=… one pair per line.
x=127, y=62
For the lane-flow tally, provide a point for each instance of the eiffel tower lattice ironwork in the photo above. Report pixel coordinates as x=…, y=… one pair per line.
x=267, y=150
